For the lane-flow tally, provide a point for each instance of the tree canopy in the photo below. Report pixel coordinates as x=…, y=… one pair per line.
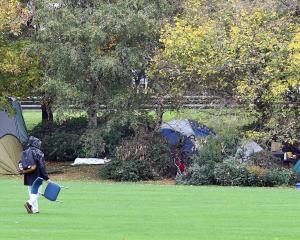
x=84, y=53
x=90, y=48
x=19, y=70
x=248, y=50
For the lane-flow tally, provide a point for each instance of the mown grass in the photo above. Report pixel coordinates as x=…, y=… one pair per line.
x=32, y=118
x=94, y=210
x=218, y=119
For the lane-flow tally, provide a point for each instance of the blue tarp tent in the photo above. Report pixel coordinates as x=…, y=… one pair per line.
x=184, y=130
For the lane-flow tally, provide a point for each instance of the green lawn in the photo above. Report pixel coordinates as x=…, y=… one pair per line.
x=32, y=118
x=94, y=210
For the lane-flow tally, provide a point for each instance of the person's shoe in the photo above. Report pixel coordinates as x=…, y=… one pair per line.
x=28, y=207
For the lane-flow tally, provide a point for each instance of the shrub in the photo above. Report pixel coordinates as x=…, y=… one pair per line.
x=93, y=144
x=61, y=146
x=61, y=141
x=103, y=141
x=70, y=138
x=74, y=125
x=294, y=178
x=117, y=127
x=256, y=176
x=126, y=170
x=142, y=157
x=216, y=149
x=230, y=140
x=265, y=159
x=259, y=176
x=231, y=173
x=265, y=170
x=197, y=175
x=112, y=170
x=213, y=151
x=278, y=177
x=210, y=152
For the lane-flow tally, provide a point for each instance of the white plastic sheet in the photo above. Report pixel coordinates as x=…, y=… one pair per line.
x=90, y=161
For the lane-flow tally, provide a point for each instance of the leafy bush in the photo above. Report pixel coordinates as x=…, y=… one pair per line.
x=142, y=157
x=265, y=159
x=93, y=143
x=61, y=141
x=216, y=149
x=228, y=174
x=218, y=163
x=256, y=176
x=210, y=152
x=70, y=138
x=213, y=150
x=294, y=178
x=126, y=170
x=230, y=140
x=265, y=170
x=278, y=177
x=75, y=125
x=197, y=175
x=231, y=173
x=116, y=127
x=61, y=146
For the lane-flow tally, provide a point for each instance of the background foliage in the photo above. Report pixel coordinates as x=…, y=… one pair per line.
x=19, y=69
x=248, y=50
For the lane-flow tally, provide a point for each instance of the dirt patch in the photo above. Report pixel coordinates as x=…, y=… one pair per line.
x=64, y=171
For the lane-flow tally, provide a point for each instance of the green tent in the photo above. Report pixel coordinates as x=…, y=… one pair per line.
x=13, y=134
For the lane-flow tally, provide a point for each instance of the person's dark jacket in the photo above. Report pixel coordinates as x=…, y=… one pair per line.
x=34, y=144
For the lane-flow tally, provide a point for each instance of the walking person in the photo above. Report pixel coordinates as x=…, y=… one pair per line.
x=32, y=172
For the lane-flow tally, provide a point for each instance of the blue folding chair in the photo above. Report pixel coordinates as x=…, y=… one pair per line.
x=36, y=184
x=51, y=192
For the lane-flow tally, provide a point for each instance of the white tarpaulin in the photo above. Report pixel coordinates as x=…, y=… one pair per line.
x=90, y=161
x=249, y=147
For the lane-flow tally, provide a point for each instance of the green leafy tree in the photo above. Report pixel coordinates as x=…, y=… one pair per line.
x=89, y=49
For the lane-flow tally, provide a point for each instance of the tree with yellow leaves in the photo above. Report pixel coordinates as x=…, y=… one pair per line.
x=19, y=71
x=247, y=50
x=12, y=16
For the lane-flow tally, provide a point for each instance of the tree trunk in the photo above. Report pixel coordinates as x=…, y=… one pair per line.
x=47, y=114
x=92, y=117
x=159, y=116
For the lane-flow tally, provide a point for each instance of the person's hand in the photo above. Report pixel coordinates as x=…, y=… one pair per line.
x=20, y=171
x=49, y=181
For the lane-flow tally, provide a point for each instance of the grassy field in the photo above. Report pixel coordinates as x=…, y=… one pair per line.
x=32, y=118
x=92, y=210
x=217, y=119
